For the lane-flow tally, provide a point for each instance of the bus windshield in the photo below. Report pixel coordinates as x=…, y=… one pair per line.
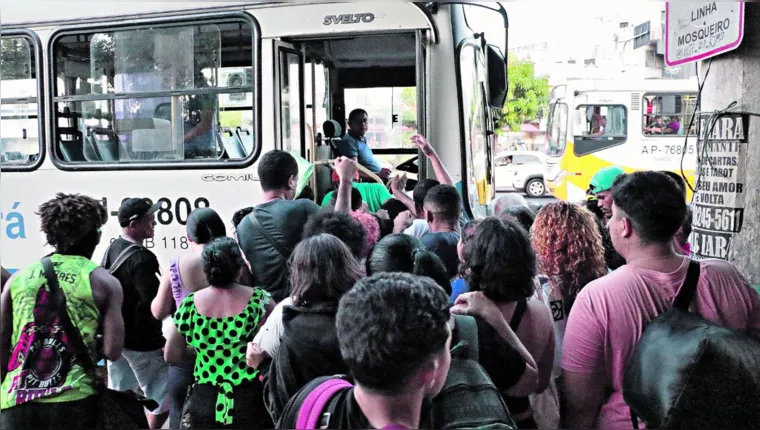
x=557, y=127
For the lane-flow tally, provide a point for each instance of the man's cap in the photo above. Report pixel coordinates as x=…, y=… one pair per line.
x=133, y=209
x=603, y=179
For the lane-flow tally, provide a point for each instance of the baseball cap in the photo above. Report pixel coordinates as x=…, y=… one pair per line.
x=603, y=179
x=132, y=209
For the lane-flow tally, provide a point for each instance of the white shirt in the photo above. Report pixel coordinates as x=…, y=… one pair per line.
x=418, y=228
x=268, y=337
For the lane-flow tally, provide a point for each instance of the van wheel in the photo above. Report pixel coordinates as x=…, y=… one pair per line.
x=535, y=188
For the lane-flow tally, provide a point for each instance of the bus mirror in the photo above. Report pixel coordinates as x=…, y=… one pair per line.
x=497, y=77
x=559, y=92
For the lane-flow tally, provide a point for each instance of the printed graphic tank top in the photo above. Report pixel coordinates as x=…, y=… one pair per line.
x=42, y=366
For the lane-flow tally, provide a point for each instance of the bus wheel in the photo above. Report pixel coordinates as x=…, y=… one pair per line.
x=535, y=188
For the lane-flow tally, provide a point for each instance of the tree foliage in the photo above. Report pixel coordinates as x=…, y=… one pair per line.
x=527, y=93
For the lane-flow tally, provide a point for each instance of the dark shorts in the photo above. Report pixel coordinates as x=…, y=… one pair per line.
x=66, y=415
x=248, y=412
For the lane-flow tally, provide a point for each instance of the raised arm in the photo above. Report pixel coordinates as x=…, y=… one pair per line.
x=441, y=174
x=346, y=169
x=398, y=189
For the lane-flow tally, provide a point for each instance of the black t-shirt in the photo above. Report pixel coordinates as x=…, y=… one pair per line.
x=346, y=413
x=284, y=221
x=444, y=245
x=139, y=277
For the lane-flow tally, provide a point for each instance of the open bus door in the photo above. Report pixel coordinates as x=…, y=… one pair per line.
x=482, y=86
x=339, y=73
x=290, y=113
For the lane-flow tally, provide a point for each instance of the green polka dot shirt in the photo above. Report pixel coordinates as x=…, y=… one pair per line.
x=220, y=344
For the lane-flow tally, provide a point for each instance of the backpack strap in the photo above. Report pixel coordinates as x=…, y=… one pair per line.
x=689, y=289
x=467, y=329
x=59, y=302
x=682, y=301
x=124, y=256
x=105, y=256
x=517, y=316
x=260, y=228
x=314, y=404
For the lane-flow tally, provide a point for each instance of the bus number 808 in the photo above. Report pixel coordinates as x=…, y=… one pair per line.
x=180, y=210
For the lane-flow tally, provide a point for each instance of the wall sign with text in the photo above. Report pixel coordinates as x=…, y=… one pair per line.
x=721, y=178
x=697, y=31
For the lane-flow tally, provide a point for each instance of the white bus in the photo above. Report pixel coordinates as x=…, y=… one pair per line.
x=634, y=124
x=176, y=101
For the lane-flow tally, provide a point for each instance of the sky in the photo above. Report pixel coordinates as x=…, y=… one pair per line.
x=533, y=22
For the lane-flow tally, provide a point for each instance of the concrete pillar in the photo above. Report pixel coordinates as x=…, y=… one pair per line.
x=735, y=76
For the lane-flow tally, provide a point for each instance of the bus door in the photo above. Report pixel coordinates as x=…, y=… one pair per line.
x=334, y=75
x=290, y=113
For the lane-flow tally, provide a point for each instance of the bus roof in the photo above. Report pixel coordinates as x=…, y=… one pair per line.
x=625, y=85
x=303, y=18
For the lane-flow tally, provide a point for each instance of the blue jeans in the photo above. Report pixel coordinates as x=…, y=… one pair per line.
x=180, y=380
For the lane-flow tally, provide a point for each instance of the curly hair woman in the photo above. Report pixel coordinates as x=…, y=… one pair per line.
x=569, y=249
x=570, y=254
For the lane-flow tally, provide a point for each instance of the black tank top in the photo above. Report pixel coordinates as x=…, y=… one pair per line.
x=519, y=405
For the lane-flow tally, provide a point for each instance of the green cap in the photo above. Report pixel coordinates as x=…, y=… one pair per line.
x=603, y=179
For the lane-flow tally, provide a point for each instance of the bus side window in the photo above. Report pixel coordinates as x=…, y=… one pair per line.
x=161, y=94
x=20, y=141
x=668, y=114
x=601, y=127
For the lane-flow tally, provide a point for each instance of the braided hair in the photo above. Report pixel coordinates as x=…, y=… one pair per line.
x=71, y=222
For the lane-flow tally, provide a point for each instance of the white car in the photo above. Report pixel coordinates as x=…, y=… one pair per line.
x=521, y=170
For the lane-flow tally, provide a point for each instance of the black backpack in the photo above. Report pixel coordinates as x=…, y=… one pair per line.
x=469, y=399
x=687, y=372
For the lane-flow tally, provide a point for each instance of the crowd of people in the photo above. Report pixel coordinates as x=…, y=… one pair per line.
x=350, y=317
